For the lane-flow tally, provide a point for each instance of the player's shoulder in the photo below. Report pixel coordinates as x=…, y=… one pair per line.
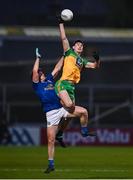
x=68, y=52
x=50, y=77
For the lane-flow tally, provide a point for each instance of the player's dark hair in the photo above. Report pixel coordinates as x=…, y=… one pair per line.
x=78, y=41
x=40, y=72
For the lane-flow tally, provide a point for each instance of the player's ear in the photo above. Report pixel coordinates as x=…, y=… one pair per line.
x=73, y=46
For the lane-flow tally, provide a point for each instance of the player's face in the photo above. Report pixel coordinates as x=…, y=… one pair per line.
x=42, y=77
x=78, y=47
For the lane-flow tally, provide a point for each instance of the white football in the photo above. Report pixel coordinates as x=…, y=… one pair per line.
x=66, y=15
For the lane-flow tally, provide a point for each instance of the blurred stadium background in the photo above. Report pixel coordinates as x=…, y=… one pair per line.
x=107, y=93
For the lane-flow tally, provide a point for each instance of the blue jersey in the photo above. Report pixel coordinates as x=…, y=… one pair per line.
x=46, y=93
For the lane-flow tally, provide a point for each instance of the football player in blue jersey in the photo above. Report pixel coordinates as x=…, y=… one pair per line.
x=44, y=88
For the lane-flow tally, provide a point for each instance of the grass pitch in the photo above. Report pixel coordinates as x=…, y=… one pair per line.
x=71, y=162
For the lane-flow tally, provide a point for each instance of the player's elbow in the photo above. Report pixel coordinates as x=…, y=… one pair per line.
x=96, y=64
x=34, y=71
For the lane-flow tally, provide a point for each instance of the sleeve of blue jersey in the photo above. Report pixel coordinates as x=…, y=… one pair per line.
x=50, y=77
x=34, y=85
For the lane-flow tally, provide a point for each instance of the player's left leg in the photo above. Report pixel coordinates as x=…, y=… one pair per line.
x=61, y=127
x=82, y=113
x=65, y=90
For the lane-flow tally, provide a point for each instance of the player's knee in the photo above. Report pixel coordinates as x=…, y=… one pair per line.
x=84, y=111
x=70, y=107
x=51, y=140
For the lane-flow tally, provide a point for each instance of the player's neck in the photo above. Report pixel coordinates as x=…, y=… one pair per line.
x=78, y=53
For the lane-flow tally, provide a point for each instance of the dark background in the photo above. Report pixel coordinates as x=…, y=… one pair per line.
x=111, y=84
x=96, y=13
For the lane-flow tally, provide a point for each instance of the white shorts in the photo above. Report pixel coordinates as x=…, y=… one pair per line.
x=53, y=117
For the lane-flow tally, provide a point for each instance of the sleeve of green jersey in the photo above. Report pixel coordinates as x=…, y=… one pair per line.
x=68, y=52
x=86, y=61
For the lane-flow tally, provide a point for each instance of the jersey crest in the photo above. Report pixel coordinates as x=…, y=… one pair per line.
x=49, y=87
x=79, y=62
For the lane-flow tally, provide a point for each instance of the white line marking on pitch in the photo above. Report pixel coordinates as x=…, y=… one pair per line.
x=66, y=170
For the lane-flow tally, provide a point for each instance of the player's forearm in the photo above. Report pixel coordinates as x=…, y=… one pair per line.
x=36, y=65
x=93, y=65
x=60, y=64
x=58, y=67
x=62, y=31
x=96, y=63
x=64, y=39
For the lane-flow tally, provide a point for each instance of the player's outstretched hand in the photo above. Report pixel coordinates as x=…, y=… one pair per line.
x=38, y=55
x=60, y=20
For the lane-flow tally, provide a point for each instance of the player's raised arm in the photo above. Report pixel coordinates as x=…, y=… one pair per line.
x=58, y=67
x=64, y=39
x=95, y=64
x=35, y=75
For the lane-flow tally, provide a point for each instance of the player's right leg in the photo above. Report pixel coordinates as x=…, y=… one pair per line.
x=53, y=118
x=51, y=132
